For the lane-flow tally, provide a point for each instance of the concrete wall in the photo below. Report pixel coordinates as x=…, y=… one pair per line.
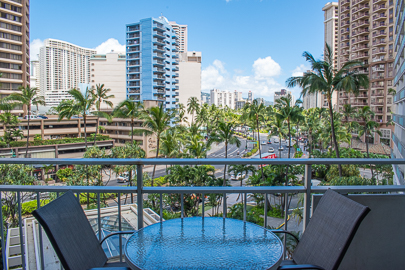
x=379, y=241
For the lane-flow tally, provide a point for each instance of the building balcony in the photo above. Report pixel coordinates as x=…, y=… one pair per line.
x=34, y=247
x=361, y=40
x=159, y=56
x=379, y=26
x=380, y=17
x=160, y=49
x=158, y=34
x=359, y=104
x=378, y=94
x=158, y=70
x=363, y=7
x=377, y=103
x=378, y=42
x=379, y=8
x=380, y=34
x=159, y=42
x=345, y=3
x=379, y=52
x=159, y=27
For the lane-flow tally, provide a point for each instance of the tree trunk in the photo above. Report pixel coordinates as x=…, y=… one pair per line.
x=226, y=156
x=289, y=137
x=333, y=134
x=95, y=136
x=368, y=156
x=85, y=131
x=258, y=141
x=157, y=155
x=132, y=130
x=28, y=130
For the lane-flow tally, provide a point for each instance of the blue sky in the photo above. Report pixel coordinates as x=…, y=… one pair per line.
x=246, y=44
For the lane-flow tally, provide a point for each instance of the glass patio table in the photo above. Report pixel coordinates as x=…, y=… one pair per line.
x=203, y=243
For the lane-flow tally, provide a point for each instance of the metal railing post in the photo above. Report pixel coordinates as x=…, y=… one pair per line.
x=139, y=190
x=307, y=198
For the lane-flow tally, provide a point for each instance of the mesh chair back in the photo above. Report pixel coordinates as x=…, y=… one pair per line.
x=70, y=233
x=330, y=231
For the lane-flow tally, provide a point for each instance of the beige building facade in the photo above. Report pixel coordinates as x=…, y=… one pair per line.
x=222, y=98
x=109, y=69
x=189, y=78
x=14, y=47
x=366, y=34
x=182, y=33
x=331, y=25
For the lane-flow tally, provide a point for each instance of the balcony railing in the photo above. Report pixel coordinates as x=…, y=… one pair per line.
x=140, y=190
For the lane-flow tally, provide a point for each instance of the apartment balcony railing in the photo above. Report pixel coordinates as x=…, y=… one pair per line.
x=380, y=7
x=380, y=17
x=140, y=190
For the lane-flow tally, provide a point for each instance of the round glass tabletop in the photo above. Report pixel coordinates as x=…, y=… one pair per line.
x=209, y=243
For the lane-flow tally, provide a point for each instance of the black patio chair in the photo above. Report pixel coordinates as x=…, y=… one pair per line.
x=328, y=234
x=72, y=237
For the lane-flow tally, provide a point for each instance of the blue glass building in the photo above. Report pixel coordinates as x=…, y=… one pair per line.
x=398, y=137
x=152, y=61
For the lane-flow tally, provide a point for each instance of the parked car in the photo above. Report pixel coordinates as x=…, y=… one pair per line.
x=42, y=117
x=238, y=177
x=122, y=179
x=271, y=149
x=30, y=117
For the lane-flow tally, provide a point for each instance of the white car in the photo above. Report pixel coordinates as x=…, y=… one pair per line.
x=281, y=148
x=276, y=141
x=271, y=149
x=238, y=177
x=122, y=179
x=264, y=143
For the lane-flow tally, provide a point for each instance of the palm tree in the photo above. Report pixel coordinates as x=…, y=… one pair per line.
x=240, y=169
x=193, y=106
x=347, y=111
x=196, y=147
x=81, y=104
x=255, y=113
x=225, y=132
x=156, y=122
x=27, y=97
x=326, y=79
x=288, y=112
x=129, y=109
x=101, y=96
x=278, y=128
x=169, y=146
x=181, y=114
x=204, y=117
x=368, y=129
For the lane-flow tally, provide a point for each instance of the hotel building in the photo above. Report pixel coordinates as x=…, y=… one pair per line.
x=366, y=34
x=63, y=66
x=152, y=61
x=14, y=47
x=398, y=137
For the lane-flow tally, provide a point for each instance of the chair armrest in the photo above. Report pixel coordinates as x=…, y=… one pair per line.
x=110, y=268
x=300, y=266
x=286, y=232
x=115, y=233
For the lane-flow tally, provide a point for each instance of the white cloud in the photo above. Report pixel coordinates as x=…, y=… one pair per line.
x=299, y=70
x=34, y=48
x=265, y=68
x=261, y=83
x=110, y=45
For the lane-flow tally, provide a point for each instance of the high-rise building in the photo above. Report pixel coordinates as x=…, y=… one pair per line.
x=34, y=78
x=313, y=100
x=366, y=34
x=331, y=22
x=223, y=98
x=250, y=97
x=182, y=34
x=63, y=66
x=284, y=93
x=109, y=69
x=152, y=61
x=399, y=99
x=238, y=96
x=14, y=47
x=189, y=78
x=205, y=98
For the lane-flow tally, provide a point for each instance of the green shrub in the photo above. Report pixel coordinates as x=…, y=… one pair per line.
x=28, y=207
x=55, y=141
